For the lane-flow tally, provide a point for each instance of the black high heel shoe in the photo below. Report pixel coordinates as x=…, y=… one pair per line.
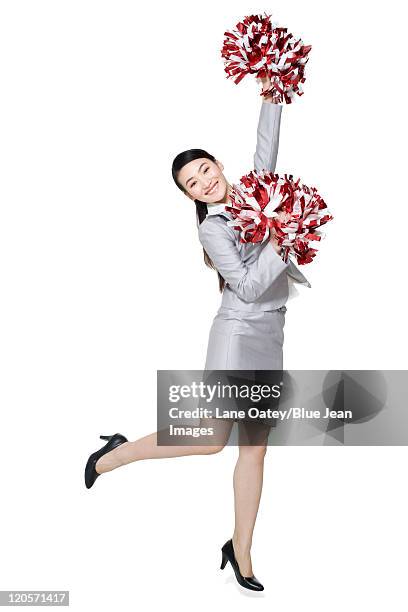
x=90, y=472
x=248, y=582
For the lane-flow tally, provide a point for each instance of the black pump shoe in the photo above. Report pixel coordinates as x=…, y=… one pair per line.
x=90, y=472
x=249, y=582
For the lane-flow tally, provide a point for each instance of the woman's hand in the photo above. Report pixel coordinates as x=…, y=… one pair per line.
x=274, y=242
x=266, y=84
x=283, y=217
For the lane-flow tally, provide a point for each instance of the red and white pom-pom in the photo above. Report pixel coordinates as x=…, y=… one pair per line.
x=255, y=204
x=257, y=46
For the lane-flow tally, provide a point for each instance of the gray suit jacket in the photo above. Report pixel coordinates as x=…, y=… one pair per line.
x=256, y=276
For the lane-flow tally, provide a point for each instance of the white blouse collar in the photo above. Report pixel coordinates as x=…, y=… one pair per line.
x=215, y=209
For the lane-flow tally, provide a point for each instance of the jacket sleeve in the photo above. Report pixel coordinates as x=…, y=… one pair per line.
x=267, y=143
x=249, y=282
x=265, y=157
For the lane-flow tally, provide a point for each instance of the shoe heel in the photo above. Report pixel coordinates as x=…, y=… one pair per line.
x=105, y=437
x=224, y=561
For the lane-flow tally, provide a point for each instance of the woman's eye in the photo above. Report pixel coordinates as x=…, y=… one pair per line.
x=192, y=184
x=206, y=169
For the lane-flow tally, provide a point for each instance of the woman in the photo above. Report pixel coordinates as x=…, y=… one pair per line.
x=247, y=333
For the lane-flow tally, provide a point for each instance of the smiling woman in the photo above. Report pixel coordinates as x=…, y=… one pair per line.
x=247, y=333
x=201, y=177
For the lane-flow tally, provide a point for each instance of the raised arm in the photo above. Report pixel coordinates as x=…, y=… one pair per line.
x=267, y=143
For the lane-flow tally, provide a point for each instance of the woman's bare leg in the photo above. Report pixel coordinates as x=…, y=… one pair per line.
x=147, y=447
x=248, y=480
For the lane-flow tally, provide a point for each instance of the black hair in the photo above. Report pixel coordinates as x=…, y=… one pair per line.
x=201, y=208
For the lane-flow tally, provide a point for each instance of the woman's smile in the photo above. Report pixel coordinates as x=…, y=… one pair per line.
x=212, y=189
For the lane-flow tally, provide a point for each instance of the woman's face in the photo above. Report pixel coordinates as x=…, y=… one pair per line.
x=202, y=179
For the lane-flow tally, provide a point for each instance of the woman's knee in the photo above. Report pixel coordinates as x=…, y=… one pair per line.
x=254, y=453
x=212, y=450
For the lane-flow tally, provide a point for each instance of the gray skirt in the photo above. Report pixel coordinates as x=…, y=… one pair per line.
x=252, y=343
x=241, y=340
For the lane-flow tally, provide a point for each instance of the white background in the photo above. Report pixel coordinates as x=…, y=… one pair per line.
x=102, y=283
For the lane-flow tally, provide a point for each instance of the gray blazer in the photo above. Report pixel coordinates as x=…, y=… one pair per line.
x=256, y=277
